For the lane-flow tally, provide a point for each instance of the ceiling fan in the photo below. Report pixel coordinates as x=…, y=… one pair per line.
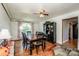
x=42, y=13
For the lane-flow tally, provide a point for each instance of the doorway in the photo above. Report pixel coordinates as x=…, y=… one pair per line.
x=75, y=31
x=70, y=32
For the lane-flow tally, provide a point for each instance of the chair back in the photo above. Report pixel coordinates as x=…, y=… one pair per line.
x=39, y=35
x=25, y=39
x=23, y=36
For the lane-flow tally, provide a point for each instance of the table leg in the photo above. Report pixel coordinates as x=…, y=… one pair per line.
x=30, y=49
x=44, y=44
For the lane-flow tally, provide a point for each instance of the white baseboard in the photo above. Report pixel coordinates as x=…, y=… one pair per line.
x=65, y=41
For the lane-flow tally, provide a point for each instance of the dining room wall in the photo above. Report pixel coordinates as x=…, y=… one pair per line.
x=65, y=29
x=4, y=20
x=14, y=30
x=38, y=27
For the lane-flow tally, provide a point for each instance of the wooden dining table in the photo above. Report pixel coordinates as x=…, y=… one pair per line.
x=34, y=39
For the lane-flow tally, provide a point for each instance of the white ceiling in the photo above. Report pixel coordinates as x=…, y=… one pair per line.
x=24, y=11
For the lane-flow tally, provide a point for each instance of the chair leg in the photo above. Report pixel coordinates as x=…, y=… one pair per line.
x=43, y=48
x=44, y=45
x=23, y=45
x=30, y=50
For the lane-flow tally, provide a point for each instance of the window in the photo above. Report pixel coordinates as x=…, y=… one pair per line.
x=5, y=34
x=26, y=28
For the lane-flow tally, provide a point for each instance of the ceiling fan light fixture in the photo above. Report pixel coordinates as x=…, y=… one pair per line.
x=41, y=15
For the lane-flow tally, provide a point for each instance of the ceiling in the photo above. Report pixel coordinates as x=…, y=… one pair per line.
x=24, y=11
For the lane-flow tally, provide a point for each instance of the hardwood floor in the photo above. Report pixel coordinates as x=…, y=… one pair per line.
x=71, y=43
x=47, y=52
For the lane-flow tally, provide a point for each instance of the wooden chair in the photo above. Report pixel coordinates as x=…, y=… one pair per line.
x=37, y=44
x=25, y=40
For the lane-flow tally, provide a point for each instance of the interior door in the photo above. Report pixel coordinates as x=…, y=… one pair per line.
x=75, y=31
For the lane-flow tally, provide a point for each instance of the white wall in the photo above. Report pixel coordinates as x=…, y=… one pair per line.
x=4, y=20
x=38, y=27
x=14, y=30
x=65, y=30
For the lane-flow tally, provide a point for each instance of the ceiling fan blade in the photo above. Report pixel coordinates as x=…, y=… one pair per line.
x=42, y=12
x=46, y=14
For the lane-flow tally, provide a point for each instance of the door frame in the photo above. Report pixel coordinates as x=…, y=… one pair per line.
x=76, y=17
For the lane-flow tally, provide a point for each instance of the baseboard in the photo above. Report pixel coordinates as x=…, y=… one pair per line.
x=65, y=41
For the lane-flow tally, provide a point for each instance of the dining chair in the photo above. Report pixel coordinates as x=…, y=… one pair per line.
x=37, y=44
x=25, y=41
x=23, y=36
